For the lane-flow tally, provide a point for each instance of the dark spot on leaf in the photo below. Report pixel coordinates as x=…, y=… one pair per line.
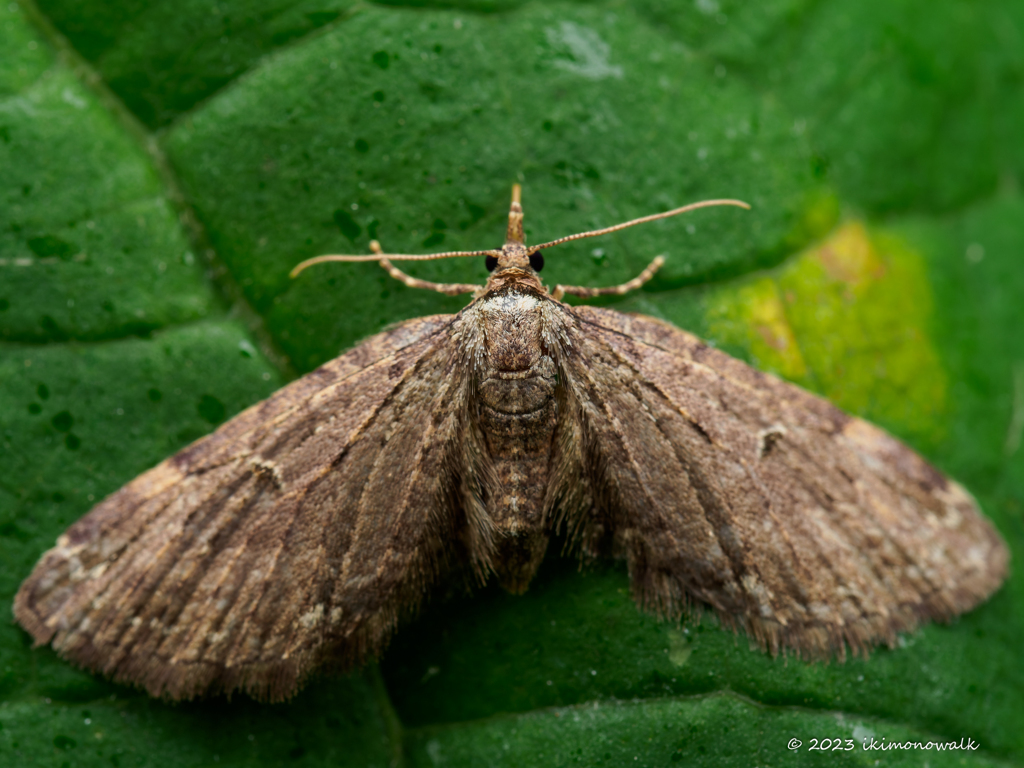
x=26, y=190
x=35, y=408
x=43, y=391
x=319, y=18
x=435, y=238
x=57, y=496
x=571, y=173
x=371, y=229
x=283, y=36
x=154, y=395
x=188, y=435
x=108, y=305
x=49, y=245
x=346, y=224
x=381, y=59
x=476, y=213
x=5, y=134
x=819, y=166
x=49, y=325
x=10, y=530
x=917, y=60
x=378, y=95
x=362, y=145
x=63, y=421
x=438, y=48
x=64, y=742
x=439, y=224
x=432, y=91
x=5, y=304
x=547, y=125
x=211, y=409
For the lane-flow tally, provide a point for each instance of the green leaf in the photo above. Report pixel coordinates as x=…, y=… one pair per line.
x=164, y=165
x=715, y=730
x=91, y=247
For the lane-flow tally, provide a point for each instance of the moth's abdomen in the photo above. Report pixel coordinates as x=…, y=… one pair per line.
x=519, y=447
x=517, y=416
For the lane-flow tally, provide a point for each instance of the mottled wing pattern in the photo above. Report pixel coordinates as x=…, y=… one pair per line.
x=809, y=528
x=301, y=528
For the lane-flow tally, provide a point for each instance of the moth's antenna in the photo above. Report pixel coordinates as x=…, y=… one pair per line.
x=643, y=220
x=515, y=218
x=390, y=256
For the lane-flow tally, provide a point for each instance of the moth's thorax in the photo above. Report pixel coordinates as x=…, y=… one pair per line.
x=517, y=377
x=512, y=330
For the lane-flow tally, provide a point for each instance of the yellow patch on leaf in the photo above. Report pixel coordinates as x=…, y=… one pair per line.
x=847, y=318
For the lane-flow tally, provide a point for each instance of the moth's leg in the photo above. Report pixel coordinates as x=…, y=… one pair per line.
x=632, y=285
x=452, y=289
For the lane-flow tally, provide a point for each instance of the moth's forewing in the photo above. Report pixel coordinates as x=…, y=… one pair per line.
x=303, y=527
x=809, y=528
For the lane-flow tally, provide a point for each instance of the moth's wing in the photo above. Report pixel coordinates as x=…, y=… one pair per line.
x=809, y=528
x=300, y=529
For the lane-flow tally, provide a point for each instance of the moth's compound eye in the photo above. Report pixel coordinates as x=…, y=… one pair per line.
x=491, y=262
x=536, y=261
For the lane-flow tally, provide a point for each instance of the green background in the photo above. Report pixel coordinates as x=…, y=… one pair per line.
x=164, y=164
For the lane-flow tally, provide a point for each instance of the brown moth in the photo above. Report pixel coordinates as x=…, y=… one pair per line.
x=305, y=527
